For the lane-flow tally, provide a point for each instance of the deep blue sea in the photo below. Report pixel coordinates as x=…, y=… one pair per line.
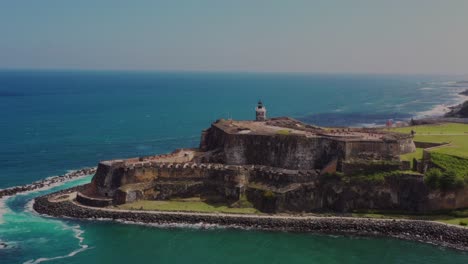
x=55, y=121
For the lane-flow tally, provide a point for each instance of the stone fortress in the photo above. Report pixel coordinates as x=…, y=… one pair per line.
x=277, y=165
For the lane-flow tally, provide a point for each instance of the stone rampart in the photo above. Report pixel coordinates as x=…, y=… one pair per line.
x=301, y=152
x=362, y=167
x=92, y=201
x=425, y=145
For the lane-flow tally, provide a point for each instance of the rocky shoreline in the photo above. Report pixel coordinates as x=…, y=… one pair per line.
x=423, y=231
x=46, y=182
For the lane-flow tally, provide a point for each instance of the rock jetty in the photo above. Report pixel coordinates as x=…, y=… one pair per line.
x=47, y=182
x=423, y=231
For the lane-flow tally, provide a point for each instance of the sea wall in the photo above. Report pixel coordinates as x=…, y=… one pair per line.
x=423, y=231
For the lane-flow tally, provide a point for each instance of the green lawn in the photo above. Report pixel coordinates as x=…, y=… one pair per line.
x=189, y=205
x=410, y=156
x=455, y=134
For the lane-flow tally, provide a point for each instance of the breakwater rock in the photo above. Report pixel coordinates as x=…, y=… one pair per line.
x=423, y=231
x=47, y=182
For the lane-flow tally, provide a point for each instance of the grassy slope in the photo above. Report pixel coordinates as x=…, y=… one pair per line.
x=455, y=134
x=191, y=204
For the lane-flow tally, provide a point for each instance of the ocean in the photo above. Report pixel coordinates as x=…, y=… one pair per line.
x=56, y=121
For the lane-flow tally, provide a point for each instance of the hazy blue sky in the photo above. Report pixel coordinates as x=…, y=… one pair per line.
x=381, y=36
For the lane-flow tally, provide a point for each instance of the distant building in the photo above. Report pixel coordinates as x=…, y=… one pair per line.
x=260, y=112
x=389, y=123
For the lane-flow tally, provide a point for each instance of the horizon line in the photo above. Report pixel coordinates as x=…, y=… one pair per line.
x=19, y=69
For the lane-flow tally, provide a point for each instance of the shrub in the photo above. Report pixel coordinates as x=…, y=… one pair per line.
x=463, y=223
x=432, y=178
x=454, y=172
x=447, y=180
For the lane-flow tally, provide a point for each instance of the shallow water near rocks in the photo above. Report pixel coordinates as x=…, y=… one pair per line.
x=58, y=121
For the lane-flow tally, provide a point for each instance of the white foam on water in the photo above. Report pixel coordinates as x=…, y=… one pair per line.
x=29, y=205
x=29, y=208
x=441, y=109
x=3, y=208
x=77, y=234
x=200, y=225
x=82, y=247
x=436, y=111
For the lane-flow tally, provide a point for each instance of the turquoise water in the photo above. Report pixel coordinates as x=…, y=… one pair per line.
x=55, y=121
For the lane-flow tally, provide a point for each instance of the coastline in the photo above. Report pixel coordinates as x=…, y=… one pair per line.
x=47, y=182
x=435, y=233
x=439, y=110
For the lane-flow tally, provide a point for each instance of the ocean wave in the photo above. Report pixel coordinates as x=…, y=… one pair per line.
x=200, y=225
x=78, y=232
x=441, y=109
x=3, y=208
x=436, y=111
x=28, y=208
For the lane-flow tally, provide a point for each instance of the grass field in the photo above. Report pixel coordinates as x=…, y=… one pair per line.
x=410, y=156
x=187, y=205
x=456, y=217
x=455, y=134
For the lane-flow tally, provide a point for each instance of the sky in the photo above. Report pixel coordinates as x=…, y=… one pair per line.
x=326, y=36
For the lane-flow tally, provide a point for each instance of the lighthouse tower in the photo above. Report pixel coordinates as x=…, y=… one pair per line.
x=260, y=112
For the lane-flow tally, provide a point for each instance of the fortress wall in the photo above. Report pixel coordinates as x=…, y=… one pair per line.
x=299, y=152
x=284, y=151
x=213, y=138
x=427, y=144
x=372, y=149
x=356, y=167
x=405, y=192
x=277, y=176
x=292, y=190
x=407, y=145
x=448, y=200
x=110, y=176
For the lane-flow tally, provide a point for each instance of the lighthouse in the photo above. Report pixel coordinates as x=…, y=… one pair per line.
x=260, y=112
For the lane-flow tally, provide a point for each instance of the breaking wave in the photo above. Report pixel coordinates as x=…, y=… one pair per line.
x=77, y=234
